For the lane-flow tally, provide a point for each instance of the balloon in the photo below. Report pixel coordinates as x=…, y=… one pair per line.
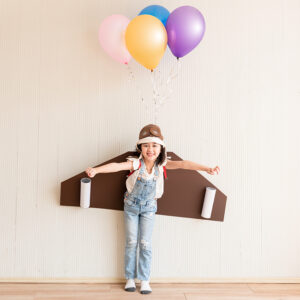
x=146, y=40
x=185, y=28
x=112, y=39
x=157, y=11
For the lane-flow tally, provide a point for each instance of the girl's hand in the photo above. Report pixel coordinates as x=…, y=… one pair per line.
x=212, y=170
x=91, y=172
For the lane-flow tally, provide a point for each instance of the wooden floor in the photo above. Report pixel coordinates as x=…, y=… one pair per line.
x=166, y=291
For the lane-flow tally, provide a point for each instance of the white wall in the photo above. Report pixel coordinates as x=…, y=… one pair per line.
x=66, y=105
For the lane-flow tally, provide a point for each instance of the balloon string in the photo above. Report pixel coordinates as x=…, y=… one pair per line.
x=138, y=88
x=161, y=98
x=155, y=94
x=172, y=74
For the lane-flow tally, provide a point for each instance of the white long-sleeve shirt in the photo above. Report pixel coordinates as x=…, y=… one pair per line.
x=130, y=181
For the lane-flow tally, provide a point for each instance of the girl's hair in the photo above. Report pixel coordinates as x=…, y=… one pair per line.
x=161, y=157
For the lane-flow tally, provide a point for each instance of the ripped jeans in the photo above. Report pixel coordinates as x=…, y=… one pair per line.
x=139, y=215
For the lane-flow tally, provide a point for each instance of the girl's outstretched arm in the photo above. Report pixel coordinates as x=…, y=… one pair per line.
x=190, y=165
x=110, y=168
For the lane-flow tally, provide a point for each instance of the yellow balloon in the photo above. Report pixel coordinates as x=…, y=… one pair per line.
x=146, y=40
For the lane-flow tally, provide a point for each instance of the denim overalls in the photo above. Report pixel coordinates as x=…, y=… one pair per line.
x=140, y=207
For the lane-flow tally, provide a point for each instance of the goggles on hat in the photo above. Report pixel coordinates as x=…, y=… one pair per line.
x=153, y=131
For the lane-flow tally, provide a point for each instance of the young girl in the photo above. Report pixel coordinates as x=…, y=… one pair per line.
x=145, y=184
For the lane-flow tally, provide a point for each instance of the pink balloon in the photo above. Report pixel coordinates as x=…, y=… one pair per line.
x=112, y=37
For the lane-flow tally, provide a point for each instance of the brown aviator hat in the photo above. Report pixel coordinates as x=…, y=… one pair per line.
x=152, y=133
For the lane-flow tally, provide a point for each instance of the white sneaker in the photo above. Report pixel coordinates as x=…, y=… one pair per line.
x=145, y=287
x=130, y=285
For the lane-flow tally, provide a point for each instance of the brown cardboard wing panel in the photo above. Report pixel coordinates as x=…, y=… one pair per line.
x=184, y=192
x=107, y=189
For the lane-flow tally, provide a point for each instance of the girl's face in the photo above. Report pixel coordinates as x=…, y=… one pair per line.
x=151, y=151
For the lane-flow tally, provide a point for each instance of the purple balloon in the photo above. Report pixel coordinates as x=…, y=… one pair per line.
x=185, y=28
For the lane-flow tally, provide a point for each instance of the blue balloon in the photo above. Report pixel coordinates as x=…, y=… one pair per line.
x=157, y=11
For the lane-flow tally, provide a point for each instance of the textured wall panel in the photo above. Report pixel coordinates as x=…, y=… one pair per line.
x=65, y=105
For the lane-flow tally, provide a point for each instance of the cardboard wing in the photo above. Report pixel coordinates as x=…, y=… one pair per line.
x=184, y=192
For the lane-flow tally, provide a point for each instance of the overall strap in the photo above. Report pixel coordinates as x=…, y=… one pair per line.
x=156, y=170
x=164, y=170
